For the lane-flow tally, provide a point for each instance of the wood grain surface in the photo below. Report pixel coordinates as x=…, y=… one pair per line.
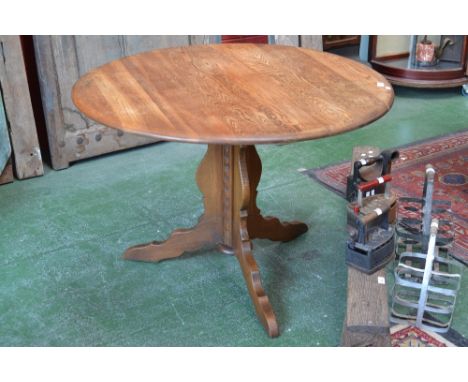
x=18, y=107
x=233, y=94
x=61, y=61
x=366, y=322
x=228, y=177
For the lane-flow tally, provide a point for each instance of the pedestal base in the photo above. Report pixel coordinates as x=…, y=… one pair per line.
x=228, y=177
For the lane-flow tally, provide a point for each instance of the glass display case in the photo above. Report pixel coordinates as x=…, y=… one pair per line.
x=420, y=61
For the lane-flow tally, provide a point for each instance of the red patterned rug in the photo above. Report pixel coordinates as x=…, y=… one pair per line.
x=448, y=155
x=410, y=336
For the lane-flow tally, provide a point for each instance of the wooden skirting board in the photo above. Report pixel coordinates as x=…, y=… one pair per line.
x=366, y=322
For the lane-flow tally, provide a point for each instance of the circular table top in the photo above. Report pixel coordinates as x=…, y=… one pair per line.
x=233, y=94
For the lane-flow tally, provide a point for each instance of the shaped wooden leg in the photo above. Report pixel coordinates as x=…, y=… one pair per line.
x=208, y=231
x=267, y=227
x=243, y=246
x=228, y=177
x=180, y=241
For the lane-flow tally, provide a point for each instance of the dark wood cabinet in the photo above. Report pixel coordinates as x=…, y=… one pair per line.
x=336, y=41
x=258, y=39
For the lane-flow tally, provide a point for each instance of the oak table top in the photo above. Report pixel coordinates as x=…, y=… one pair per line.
x=233, y=94
x=232, y=97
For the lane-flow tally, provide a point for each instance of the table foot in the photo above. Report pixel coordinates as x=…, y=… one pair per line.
x=254, y=284
x=180, y=241
x=208, y=231
x=242, y=242
x=272, y=228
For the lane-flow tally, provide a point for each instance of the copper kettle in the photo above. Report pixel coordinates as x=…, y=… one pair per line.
x=428, y=54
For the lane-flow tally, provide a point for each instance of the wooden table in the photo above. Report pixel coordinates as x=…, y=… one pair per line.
x=232, y=97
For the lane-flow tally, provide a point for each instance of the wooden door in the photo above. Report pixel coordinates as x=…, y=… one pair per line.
x=61, y=61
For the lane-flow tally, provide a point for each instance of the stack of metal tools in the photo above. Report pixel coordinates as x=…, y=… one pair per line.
x=371, y=211
x=427, y=279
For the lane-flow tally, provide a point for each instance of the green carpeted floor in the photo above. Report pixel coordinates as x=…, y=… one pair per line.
x=63, y=281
